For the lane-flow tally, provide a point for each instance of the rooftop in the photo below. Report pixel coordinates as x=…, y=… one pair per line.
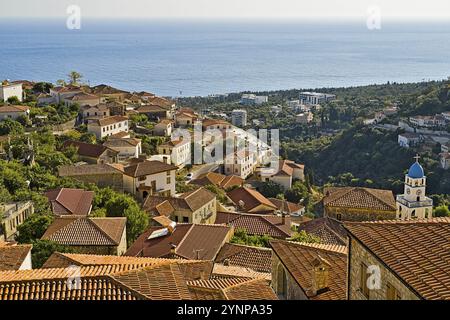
x=147, y=167
x=249, y=198
x=66, y=201
x=417, y=251
x=13, y=256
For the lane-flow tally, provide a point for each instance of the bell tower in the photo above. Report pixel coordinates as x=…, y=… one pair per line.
x=414, y=203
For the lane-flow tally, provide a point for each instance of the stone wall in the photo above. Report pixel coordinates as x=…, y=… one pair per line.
x=350, y=214
x=293, y=290
x=112, y=180
x=358, y=255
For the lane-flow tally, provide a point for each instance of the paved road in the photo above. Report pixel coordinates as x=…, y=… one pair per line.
x=204, y=169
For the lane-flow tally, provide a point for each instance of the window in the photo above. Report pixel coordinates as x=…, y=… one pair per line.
x=392, y=292
x=176, y=218
x=339, y=216
x=185, y=219
x=364, y=276
x=168, y=180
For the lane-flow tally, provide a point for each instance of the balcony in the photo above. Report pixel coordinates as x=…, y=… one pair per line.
x=416, y=204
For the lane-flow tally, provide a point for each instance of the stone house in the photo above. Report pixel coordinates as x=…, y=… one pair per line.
x=303, y=271
x=15, y=257
x=13, y=112
x=70, y=202
x=284, y=174
x=13, y=215
x=178, y=150
x=198, y=206
x=93, y=153
x=358, y=204
x=163, y=128
x=250, y=201
x=102, y=175
x=399, y=260
x=126, y=147
x=89, y=235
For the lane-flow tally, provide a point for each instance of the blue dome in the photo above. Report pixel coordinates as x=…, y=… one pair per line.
x=416, y=171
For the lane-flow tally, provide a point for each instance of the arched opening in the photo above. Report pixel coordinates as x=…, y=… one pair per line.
x=413, y=214
x=281, y=282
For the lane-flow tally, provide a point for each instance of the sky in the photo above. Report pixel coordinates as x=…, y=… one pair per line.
x=259, y=9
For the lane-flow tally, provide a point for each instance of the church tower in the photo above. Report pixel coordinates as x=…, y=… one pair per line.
x=414, y=203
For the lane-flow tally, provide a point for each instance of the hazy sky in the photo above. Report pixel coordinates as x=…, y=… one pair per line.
x=429, y=9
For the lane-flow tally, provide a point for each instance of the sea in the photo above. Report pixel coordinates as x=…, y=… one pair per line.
x=204, y=57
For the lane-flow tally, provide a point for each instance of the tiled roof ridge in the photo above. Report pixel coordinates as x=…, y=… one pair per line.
x=320, y=246
x=250, y=247
x=274, y=225
x=338, y=194
x=183, y=240
x=103, y=231
x=433, y=220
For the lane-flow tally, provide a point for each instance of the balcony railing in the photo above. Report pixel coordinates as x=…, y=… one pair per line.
x=416, y=204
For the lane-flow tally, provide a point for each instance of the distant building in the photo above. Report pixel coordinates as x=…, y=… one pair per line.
x=13, y=112
x=94, y=112
x=358, y=204
x=409, y=140
x=240, y=163
x=185, y=118
x=428, y=121
x=92, y=153
x=9, y=90
x=446, y=116
x=198, y=206
x=414, y=203
x=288, y=208
x=284, y=175
x=276, y=109
x=252, y=99
x=82, y=99
x=13, y=215
x=219, y=124
x=304, y=118
x=445, y=147
x=294, y=104
x=126, y=147
x=102, y=175
x=251, y=201
x=155, y=112
x=59, y=94
x=239, y=117
x=445, y=160
x=108, y=126
x=178, y=150
x=315, y=97
x=163, y=128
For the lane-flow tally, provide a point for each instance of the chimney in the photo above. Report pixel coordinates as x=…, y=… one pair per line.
x=173, y=247
x=320, y=275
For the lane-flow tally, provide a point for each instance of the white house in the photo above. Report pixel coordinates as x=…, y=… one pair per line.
x=304, y=118
x=283, y=174
x=445, y=160
x=241, y=163
x=149, y=178
x=315, y=97
x=82, y=99
x=408, y=139
x=163, y=128
x=13, y=112
x=9, y=90
x=127, y=147
x=179, y=151
x=252, y=99
x=428, y=121
x=108, y=126
x=61, y=93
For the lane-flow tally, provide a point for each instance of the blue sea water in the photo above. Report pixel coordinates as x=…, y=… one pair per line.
x=174, y=58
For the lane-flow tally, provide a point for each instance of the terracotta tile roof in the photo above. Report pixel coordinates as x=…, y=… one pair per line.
x=191, y=241
x=258, y=259
x=83, y=96
x=66, y=201
x=360, y=198
x=329, y=230
x=221, y=271
x=256, y=224
x=83, y=231
x=250, y=198
x=232, y=289
x=288, y=207
x=108, y=120
x=165, y=280
x=120, y=135
x=298, y=259
x=121, y=142
x=87, y=149
x=88, y=169
x=174, y=143
x=105, y=89
x=218, y=179
x=191, y=201
x=147, y=168
x=13, y=256
x=212, y=122
x=151, y=108
x=417, y=251
x=11, y=108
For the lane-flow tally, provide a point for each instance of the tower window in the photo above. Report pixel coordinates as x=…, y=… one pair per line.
x=418, y=198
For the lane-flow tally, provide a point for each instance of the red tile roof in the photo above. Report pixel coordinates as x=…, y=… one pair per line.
x=258, y=259
x=13, y=256
x=256, y=224
x=416, y=251
x=148, y=168
x=329, y=230
x=286, y=206
x=250, y=199
x=298, y=259
x=82, y=231
x=190, y=241
x=360, y=198
x=66, y=201
x=218, y=179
